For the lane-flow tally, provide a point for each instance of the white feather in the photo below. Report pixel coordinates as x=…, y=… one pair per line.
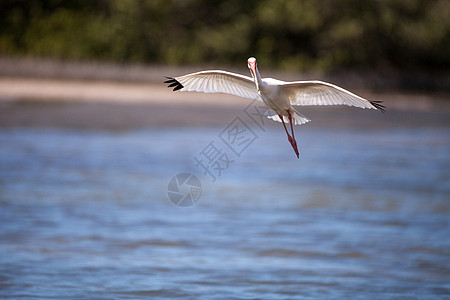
x=299, y=119
x=322, y=93
x=216, y=81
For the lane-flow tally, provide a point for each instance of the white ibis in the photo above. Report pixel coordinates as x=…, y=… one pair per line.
x=283, y=98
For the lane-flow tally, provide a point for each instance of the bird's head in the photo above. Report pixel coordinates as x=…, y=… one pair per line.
x=252, y=65
x=251, y=62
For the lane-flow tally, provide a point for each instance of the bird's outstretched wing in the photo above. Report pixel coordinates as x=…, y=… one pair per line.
x=216, y=81
x=323, y=93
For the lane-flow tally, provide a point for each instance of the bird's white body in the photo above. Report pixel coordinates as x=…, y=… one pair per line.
x=283, y=98
x=274, y=96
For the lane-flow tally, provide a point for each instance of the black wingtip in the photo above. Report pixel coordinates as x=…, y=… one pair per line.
x=378, y=105
x=173, y=83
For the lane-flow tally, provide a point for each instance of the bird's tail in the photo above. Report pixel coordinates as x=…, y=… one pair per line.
x=299, y=119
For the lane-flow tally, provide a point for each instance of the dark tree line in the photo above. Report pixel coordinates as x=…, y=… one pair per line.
x=320, y=34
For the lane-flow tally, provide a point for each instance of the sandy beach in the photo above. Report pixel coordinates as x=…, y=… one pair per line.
x=41, y=93
x=47, y=102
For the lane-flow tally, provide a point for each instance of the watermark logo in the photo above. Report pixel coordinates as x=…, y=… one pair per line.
x=238, y=136
x=184, y=190
x=212, y=160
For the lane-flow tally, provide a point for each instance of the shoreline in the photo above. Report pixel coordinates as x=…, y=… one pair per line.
x=389, y=80
x=164, y=108
x=59, y=96
x=16, y=89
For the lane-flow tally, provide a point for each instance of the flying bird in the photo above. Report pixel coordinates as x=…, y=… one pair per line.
x=283, y=98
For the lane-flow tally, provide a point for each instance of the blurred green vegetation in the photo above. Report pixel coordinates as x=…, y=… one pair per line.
x=292, y=35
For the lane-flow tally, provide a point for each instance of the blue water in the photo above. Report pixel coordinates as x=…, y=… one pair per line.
x=362, y=214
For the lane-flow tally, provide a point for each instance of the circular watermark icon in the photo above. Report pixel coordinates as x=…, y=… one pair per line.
x=184, y=190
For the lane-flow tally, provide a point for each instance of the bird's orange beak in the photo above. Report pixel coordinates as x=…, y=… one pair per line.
x=252, y=67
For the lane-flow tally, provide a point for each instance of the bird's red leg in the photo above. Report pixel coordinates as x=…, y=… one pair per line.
x=284, y=125
x=290, y=139
x=293, y=142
